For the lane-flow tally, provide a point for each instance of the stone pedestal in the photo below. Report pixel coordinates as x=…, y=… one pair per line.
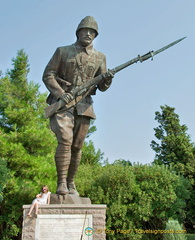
x=72, y=219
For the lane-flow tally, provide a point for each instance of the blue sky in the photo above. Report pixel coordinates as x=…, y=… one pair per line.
x=125, y=113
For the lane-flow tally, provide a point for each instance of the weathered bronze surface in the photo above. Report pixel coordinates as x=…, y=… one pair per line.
x=70, y=67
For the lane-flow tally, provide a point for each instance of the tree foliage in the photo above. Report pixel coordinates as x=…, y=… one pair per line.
x=137, y=197
x=176, y=149
x=4, y=175
x=90, y=154
x=122, y=162
x=26, y=143
x=175, y=231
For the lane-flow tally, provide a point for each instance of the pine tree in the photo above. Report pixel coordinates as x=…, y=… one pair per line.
x=4, y=175
x=176, y=149
x=175, y=146
x=26, y=143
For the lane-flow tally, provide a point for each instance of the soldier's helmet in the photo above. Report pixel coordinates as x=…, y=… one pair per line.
x=88, y=22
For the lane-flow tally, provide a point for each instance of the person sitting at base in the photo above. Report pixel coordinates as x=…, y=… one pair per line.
x=42, y=198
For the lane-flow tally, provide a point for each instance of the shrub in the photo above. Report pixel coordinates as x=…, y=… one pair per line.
x=176, y=231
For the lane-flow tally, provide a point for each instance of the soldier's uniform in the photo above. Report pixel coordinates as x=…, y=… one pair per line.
x=70, y=67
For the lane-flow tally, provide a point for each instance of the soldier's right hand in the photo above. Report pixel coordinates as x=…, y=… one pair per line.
x=108, y=75
x=66, y=97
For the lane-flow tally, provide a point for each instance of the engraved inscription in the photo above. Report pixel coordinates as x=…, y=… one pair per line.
x=62, y=227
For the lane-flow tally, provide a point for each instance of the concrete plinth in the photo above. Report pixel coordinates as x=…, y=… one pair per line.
x=65, y=221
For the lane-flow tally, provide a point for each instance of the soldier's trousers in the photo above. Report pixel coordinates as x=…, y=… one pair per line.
x=70, y=130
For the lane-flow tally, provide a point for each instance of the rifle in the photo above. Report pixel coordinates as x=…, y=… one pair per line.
x=82, y=91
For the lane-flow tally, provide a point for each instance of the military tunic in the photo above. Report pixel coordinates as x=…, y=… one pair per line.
x=71, y=66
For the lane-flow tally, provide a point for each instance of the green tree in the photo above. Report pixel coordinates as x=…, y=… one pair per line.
x=122, y=162
x=175, y=149
x=26, y=144
x=90, y=155
x=92, y=128
x=137, y=197
x=4, y=174
x=175, y=231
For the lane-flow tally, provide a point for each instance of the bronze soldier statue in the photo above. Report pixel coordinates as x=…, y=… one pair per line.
x=70, y=67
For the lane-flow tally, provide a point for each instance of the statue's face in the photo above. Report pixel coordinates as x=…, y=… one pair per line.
x=86, y=36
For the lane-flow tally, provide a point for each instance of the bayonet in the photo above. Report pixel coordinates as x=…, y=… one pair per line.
x=146, y=56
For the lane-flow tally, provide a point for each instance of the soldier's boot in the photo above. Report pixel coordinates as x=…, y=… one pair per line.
x=74, y=164
x=62, y=159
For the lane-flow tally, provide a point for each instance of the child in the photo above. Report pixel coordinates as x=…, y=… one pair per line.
x=42, y=198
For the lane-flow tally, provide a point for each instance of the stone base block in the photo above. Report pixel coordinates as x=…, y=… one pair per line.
x=65, y=221
x=68, y=199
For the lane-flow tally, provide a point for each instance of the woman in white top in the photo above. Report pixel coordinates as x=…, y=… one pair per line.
x=42, y=198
